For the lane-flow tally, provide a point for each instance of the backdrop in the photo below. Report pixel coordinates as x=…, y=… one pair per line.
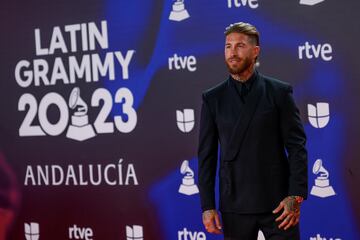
x=100, y=106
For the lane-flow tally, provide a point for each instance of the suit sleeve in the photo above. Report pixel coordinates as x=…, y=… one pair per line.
x=207, y=157
x=294, y=140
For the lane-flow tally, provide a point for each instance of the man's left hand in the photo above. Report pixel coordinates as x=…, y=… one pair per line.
x=291, y=214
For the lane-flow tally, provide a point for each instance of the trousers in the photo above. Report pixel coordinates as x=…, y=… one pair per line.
x=246, y=227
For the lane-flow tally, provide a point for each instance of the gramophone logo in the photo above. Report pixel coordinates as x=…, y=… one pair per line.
x=79, y=129
x=178, y=12
x=260, y=235
x=310, y=2
x=32, y=231
x=319, y=115
x=322, y=187
x=188, y=186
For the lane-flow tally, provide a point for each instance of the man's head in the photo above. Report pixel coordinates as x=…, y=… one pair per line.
x=241, y=47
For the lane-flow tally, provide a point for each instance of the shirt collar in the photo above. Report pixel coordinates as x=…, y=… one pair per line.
x=247, y=83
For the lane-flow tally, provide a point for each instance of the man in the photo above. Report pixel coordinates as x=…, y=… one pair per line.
x=263, y=160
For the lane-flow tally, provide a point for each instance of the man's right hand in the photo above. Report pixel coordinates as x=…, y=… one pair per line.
x=211, y=221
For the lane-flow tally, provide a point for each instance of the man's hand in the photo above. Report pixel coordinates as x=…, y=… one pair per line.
x=211, y=221
x=291, y=214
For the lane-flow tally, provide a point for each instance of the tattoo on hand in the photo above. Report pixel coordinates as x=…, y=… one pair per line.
x=291, y=204
x=208, y=213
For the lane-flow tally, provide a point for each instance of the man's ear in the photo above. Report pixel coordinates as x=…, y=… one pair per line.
x=256, y=51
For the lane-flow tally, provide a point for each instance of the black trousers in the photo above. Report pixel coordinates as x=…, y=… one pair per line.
x=246, y=227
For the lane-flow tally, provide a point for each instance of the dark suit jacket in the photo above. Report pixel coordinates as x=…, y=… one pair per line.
x=262, y=147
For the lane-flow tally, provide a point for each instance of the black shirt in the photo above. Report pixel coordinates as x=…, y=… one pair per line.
x=243, y=88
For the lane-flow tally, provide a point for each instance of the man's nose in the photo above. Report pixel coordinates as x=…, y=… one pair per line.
x=233, y=52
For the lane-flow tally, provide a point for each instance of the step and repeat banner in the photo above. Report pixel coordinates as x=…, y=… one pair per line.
x=100, y=106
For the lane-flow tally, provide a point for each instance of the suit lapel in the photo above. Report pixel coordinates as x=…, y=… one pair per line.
x=246, y=114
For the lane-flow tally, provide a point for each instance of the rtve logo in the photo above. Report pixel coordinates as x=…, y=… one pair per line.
x=310, y=2
x=178, y=63
x=134, y=233
x=318, y=237
x=238, y=3
x=185, y=120
x=76, y=232
x=319, y=115
x=309, y=51
x=32, y=231
x=188, y=235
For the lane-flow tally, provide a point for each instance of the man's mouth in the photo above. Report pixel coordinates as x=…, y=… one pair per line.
x=234, y=60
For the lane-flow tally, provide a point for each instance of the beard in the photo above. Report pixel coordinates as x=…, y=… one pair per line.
x=238, y=67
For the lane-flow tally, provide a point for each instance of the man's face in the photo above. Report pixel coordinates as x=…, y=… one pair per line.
x=240, y=53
